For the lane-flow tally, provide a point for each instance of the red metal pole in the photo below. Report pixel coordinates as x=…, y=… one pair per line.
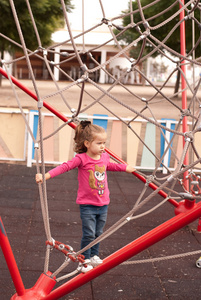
x=129, y=251
x=10, y=260
x=73, y=125
x=183, y=84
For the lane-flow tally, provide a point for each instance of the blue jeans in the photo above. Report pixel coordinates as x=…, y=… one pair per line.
x=93, y=221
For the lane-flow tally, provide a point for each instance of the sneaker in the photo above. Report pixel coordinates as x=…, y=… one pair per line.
x=95, y=261
x=81, y=268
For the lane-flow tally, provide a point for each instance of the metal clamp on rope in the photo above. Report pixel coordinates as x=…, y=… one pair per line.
x=45, y=52
x=188, y=16
x=149, y=179
x=119, y=27
x=73, y=110
x=170, y=178
x=39, y=49
x=137, y=28
x=188, y=136
x=146, y=25
x=64, y=53
x=109, y=24
x=40, y=104
x=80, y=80
x=186, y=196
x=132, y=61
x=90, y=54
x=36, y=146
x=84, y=68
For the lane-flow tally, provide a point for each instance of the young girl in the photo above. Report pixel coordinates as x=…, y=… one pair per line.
x=93, y=193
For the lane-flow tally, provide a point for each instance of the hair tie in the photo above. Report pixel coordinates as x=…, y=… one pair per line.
x=85, y=123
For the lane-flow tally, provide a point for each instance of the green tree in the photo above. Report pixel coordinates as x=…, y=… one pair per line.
x=154, y=17
x=48, y=16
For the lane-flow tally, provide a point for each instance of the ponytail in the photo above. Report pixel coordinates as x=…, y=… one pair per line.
x=85, y=131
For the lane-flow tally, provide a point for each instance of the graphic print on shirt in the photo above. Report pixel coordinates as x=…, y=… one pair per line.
x=97, y=179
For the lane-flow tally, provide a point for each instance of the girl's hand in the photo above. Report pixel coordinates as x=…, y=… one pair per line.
x=39, y=178
x=130, y=169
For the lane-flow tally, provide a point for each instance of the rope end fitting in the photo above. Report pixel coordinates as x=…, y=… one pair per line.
x=187, y=196
x=74, y=113
x=132, y=61
x=146, y=25
x=36, y=146
x=188, y=136
x=84, y=68
x=82, y=78
x=45, y=52
x=85, y=71
x=119, y=27
x=65, y=54
x=170, y=178
x=89, y=54
x=73, y=110
x=40, y=104
x=109, y=24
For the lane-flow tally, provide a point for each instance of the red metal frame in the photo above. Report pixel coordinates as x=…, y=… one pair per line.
x=135, y=247
x=42, y=289
x=10, y=260
x=183, y=85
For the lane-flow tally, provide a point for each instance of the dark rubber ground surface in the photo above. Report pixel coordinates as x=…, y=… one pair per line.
x=176, y=279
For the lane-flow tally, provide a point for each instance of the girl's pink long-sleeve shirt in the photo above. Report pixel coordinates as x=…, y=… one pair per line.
x=92, y=177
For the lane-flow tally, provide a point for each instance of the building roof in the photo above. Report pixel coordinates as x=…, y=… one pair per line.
x=98, y=36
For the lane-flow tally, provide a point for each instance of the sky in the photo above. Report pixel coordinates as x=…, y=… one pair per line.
x=93, y=13
x=92, y=16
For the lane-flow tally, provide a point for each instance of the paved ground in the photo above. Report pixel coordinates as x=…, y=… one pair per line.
x=159, y=106
x=176, y=279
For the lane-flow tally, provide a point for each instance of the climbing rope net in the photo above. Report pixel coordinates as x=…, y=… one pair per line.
x=138, y=107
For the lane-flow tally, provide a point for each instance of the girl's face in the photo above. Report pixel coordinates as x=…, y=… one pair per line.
x=97, y=146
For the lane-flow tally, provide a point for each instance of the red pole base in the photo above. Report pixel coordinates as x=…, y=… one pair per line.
x=199, y=225
x=184, y=206
x=42, y=288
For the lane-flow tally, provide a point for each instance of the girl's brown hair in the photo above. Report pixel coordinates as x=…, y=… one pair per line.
x=85, y=131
